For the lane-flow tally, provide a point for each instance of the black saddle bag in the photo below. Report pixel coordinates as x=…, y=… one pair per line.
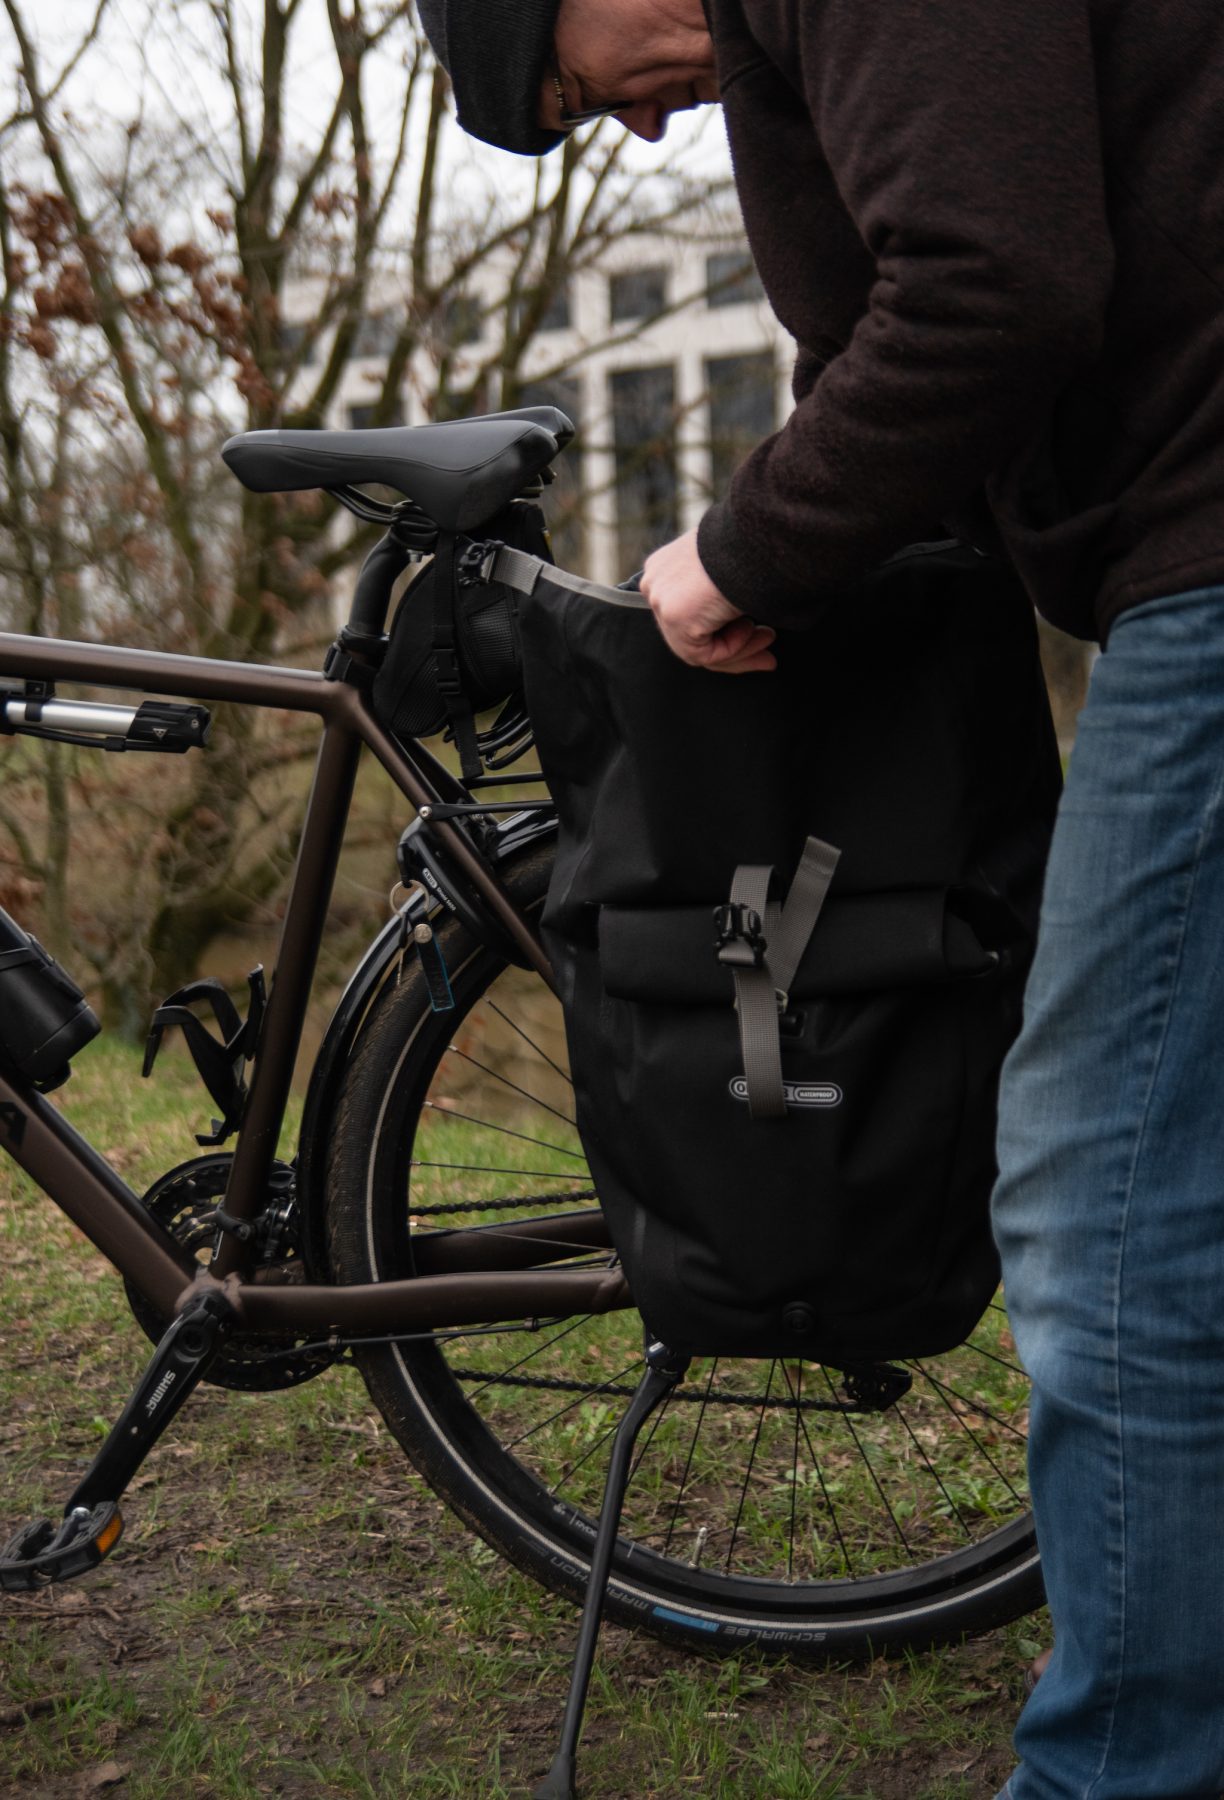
x=909, y=731
x=453, y=650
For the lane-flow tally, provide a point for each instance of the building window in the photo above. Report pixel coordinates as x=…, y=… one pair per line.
x=731, y=279
x=557, y=314
x=361, y=417
x=743, y=410
x=637, y=294
x=563, y=499
x=293, y=345
x=644, y=442
x=376, y=335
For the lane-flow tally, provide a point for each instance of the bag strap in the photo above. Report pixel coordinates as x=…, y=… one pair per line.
x=747, y=928
x=517, y=570
x=458, y=707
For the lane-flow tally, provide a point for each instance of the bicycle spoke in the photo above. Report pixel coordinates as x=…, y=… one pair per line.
x=936, y=1477
x=979, y=1445
x=542, y=1054
x=536, y=1350
x=1003, y=1424
x=578, y=1400
x=752, y=1453
x=496, y=1075
x=1011, y=1367
x=450, y=1112
x=828, y=1498
x=870, y=1467
x=675, y=1512
x=585, y=1458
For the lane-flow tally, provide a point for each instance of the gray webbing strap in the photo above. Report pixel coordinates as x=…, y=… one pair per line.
x=763, y=973
x=521, y=572
x=756, y=1001
x=808, y=889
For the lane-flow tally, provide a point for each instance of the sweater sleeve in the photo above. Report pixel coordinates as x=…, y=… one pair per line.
x=964, y=143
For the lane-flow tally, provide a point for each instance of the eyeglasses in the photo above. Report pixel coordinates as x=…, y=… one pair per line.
x=570, y=121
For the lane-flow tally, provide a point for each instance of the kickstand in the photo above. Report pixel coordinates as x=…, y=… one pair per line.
x=664, y=1370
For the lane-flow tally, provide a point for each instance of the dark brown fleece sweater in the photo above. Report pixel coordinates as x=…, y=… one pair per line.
x=996, y=228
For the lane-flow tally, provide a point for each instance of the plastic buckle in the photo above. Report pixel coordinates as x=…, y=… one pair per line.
x=740, y=942
x=475, y=566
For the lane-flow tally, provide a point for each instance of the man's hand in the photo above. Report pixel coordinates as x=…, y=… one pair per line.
x=698, y=623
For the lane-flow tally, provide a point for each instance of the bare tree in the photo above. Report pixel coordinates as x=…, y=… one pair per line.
x=153, y=273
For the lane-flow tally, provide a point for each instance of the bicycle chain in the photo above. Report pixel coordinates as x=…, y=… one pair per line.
x=479, y=1206
x=698, y=1396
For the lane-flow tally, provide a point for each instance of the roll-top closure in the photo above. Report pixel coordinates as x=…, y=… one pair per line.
x=862, y=943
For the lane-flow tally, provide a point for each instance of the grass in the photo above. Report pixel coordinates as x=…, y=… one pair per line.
x=292, y=1612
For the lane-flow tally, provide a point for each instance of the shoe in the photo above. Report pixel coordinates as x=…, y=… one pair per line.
x=1036, y=1669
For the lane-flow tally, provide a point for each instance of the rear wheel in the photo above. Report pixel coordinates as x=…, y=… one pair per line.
x=769, y=1504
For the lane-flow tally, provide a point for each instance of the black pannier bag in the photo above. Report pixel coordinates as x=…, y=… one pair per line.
x=841, y=1214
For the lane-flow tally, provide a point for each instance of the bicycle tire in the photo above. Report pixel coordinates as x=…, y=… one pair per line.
x=478, y=1444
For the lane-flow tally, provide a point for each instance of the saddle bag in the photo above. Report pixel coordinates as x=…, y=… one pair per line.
x=792, y=916
x=454, y=651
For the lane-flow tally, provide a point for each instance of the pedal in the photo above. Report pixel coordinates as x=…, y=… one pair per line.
x=44, y=1552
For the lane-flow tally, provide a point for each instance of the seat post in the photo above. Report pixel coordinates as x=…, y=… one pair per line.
x=665, y=1369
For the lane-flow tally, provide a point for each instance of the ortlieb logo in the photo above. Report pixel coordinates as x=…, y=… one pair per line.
x=798, y=1093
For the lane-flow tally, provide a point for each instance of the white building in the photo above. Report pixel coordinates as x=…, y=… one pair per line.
x=669, y=361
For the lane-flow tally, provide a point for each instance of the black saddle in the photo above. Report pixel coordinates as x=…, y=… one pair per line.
x=459, y=473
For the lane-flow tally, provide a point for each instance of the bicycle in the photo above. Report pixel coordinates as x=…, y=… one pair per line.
x=438, y=1208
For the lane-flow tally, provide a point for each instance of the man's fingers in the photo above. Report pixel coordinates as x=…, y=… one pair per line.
x=738, y=641
x=740, y=648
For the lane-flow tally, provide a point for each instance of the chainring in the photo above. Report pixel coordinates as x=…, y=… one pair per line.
x=184, y=1200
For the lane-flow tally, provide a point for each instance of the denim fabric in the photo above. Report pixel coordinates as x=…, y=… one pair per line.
x=1110, y=1218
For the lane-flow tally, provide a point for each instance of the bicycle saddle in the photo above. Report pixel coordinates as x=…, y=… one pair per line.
x=459, y=473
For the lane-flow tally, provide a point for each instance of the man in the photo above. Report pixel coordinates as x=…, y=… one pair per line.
x=997, y=234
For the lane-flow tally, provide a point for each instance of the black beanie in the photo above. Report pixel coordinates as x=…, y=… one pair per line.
x=497, y=53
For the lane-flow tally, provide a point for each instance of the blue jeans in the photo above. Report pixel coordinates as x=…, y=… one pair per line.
x=1109, y=1214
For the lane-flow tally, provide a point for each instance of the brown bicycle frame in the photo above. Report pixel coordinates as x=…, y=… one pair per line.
x=479, y=1277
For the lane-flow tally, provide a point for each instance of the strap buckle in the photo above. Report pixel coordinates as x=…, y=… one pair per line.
x=740, y=941
x=475, y=565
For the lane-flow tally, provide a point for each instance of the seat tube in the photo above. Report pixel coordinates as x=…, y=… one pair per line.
x=296, y=957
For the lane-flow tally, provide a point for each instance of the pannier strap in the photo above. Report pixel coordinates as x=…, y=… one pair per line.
x=518, y=570
x=762, y=944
